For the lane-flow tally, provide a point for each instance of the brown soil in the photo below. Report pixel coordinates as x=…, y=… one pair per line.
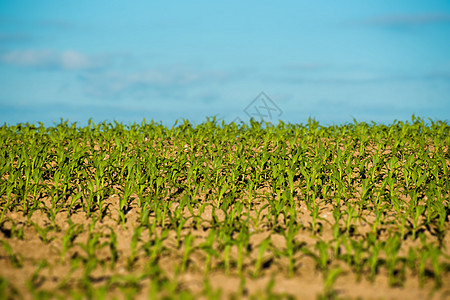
x=42, y=265
x=37, y=262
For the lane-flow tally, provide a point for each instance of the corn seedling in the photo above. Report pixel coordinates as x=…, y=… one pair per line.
x=142, y=207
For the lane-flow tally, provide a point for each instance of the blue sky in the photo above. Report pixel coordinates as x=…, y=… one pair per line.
x=165, y=61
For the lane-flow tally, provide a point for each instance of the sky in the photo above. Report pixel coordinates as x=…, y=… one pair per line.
x=126, y=61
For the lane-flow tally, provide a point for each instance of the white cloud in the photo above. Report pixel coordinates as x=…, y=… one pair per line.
x=72, y=60
x=117, y=83
x=169, y=82
x=51, y=60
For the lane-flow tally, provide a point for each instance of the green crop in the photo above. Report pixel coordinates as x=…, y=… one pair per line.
x=219, y=211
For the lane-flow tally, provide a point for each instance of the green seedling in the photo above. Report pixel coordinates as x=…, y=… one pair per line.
x=374, y=250
x=391, y=250
x=330, y=278
x=209, y=250
x=15, y=258
x=113, y=248
x=133, y=246
x=188, y=241
x=261, y=250
x=323, y=258
x=67, y=241
x=43, y=232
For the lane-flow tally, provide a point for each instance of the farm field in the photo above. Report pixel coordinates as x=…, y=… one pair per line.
x=225, y=211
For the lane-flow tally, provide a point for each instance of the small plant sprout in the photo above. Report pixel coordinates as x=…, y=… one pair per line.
x=224, y=211
x=261, y=250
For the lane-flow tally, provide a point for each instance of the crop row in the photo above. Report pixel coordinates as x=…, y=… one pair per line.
x=248, y=201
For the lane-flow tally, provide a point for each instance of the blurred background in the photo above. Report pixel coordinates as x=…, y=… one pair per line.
x=271, y=60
